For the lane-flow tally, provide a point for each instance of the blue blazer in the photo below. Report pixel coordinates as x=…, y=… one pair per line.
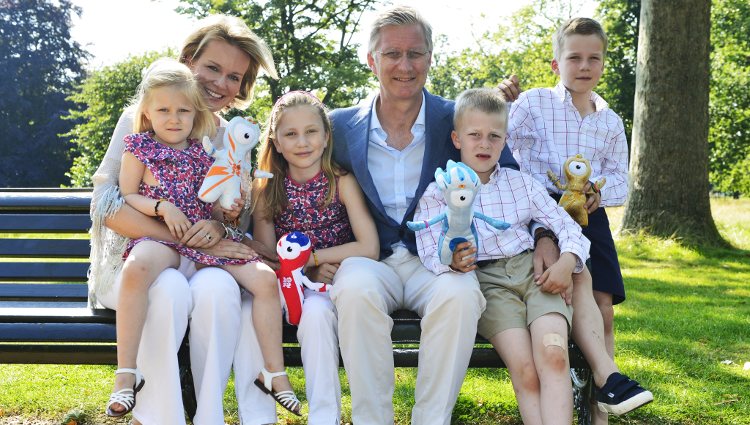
x=350, y=143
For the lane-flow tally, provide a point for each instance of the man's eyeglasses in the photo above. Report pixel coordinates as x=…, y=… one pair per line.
x=411, y=55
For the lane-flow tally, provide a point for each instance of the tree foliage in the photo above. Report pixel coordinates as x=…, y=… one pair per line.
x=311, y=42
x=40, y=64
x=101, y=98
x=729, y=138
x=521, y=46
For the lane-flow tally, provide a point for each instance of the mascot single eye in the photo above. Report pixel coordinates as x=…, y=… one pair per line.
x=243, y=134
x=460, y=198
x=289, y=250
x=577, y=168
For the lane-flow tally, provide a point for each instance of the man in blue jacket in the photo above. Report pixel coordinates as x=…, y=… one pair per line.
x=393, y=143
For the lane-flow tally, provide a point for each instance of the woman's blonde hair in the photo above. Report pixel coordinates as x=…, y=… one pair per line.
x=272, y=191
x=235, y=32
x=168, y=72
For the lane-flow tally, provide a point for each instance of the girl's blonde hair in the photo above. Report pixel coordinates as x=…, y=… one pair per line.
x=167, y=72
x=272, y=191
x=235, y=32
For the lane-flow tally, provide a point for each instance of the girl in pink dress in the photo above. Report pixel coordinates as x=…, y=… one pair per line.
x=162, y=169
x=312, y=195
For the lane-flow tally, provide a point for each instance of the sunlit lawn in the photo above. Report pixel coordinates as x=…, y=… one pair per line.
x=684, y=332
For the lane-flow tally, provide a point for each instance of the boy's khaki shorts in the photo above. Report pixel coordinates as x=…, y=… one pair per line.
x=513, y=299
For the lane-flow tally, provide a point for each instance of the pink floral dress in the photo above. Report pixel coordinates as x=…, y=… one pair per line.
x=180, y=175
x=326, y=227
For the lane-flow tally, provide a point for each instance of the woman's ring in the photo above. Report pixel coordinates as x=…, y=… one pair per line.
x=208, y=236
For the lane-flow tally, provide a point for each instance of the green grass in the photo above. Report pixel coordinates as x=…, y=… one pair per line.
x=684, y=332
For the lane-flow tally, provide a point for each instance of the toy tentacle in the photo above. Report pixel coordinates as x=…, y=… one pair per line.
x=497, y=224
x=419, y=225
x=555, y=180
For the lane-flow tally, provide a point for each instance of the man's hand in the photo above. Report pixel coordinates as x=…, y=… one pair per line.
x=464, y=257
x=511, y=88
x=546, y=253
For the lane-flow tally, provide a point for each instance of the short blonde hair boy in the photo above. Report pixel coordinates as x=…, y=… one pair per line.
x=489, y=101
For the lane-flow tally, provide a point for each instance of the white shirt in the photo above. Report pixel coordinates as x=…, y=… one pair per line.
x=396, y=173
x=545, y=129
x=511, y=196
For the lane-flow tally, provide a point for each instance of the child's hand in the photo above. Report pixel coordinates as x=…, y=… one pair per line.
x=464, y=257
x=323, y=273
x=175, y=219
x=558, y=278
x=592, y=198
x=233, y=213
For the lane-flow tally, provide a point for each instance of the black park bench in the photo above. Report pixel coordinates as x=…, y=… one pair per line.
x=45, y=319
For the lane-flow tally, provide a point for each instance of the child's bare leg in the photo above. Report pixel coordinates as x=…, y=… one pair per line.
x=588, y=329
x=514, y=347
x=144, y=264
x=260, y=281
x=604, y=302
x=549, y=341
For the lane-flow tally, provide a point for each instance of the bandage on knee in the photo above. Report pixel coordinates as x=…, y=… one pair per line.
x=553, y=339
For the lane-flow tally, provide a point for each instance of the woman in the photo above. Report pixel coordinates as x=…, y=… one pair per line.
x=226, y=57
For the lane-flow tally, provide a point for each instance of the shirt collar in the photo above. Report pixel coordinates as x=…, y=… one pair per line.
x=563, y=94
x=375, y=121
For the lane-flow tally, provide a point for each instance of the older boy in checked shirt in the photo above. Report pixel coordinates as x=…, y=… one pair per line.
x=546, y=127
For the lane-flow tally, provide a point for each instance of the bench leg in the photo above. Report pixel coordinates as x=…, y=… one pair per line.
x=189, y=401
x=583, y=388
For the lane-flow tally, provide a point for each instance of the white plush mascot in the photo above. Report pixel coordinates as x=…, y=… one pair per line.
x=225, y=175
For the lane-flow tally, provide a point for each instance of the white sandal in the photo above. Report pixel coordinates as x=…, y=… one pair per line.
x=287, y=399
x=126, y=396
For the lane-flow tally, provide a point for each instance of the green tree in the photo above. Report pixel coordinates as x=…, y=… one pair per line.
x=311, y=42
x=669, y=163
x=729, y=138
x=522, y=46
x=40, y=65
x=620, y=21
x=101, y=98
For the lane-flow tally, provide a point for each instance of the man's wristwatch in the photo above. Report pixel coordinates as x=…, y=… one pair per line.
x=546, y=233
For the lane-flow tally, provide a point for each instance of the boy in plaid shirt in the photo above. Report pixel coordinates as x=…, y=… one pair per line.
x=528, y=328
x=546, y=127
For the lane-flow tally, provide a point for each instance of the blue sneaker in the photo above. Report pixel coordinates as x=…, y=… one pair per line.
x=621, y=395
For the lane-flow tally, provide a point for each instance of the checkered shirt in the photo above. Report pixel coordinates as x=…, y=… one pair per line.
x=545, y=129
x=511, y=196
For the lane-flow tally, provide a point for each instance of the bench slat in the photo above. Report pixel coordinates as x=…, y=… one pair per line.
x=53, y=315
x=58, y=332
x=58, y=354
x=69, y=248
x=44, y=271
x=45, y=223
x=57, y=292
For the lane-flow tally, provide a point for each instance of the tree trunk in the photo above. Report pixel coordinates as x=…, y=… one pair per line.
x=669, y=157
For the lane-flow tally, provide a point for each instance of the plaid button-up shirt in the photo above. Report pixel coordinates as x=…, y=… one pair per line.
x=545, y=129
x=511, y=196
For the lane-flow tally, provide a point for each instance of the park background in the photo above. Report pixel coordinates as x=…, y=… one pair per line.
x=684, y=331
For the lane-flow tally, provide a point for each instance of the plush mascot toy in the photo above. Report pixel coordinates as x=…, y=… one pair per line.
x=460, y=185
x=577, y=170
x=294, y=250
x=223, y=179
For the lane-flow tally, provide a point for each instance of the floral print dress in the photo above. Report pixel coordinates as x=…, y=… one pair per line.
x=180, y=175
x=325, y=226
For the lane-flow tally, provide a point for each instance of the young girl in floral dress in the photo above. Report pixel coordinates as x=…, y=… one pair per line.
x=312, y=195
x=162, y=169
